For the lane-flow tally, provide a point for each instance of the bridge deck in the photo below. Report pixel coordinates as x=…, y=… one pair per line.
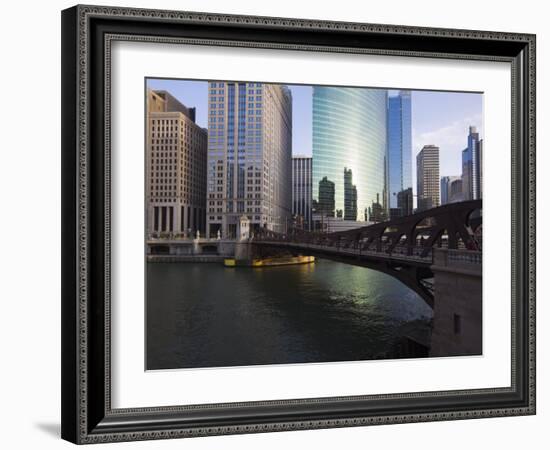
x=398, y=255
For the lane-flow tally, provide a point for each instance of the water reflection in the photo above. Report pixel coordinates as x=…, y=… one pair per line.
x=206, y=315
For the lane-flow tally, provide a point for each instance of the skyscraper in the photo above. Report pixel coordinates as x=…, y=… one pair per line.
x=446, y=183
x=398, y=159
x=249, y=156
x=349, y=131
x=427, y=177
x=480, y=168
x=301, y=189
x=456, y=194
x=471, y=166
x=405, y=202
x=176, y=167
x=350, y=196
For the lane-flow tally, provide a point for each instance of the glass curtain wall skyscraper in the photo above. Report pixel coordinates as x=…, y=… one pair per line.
x=471, y=166
x=249, y=156
x=349, y=133
x=399, y=164
x=451, y=190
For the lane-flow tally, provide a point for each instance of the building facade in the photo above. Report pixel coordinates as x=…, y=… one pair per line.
x=404, y=203
x=249, y=156
x=301, y=191
x=398, y=160
x=349, y=132
x=456, y=193
x=472, y=166
x=427, y=177
x=446, y=188
x=176, y=168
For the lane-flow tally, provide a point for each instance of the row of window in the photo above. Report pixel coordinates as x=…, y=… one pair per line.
x=173, y=128
x=242, y=99
x=214, y=84
x=247, y=202
x=220, y=218
x=172, y=139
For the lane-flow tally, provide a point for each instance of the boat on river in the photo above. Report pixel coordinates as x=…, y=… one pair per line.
x=268, y=262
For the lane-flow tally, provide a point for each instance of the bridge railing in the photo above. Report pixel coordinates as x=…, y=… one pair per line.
x=459, y=259
x=464, y=256
x=354, y=247
x=413, y=252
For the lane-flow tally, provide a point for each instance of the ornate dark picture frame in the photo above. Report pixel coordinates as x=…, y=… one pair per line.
x=87, y=35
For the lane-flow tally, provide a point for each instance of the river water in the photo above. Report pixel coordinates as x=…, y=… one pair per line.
x=206, y=315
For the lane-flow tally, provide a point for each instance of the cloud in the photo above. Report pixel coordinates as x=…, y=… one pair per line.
x=450, y=139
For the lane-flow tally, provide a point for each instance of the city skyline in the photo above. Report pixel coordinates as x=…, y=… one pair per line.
x=362, y=142
x=440, y=118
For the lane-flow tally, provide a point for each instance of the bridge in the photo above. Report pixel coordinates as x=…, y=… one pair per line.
x=402, y=248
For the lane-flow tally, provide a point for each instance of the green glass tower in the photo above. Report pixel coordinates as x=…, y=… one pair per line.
x=349, y=134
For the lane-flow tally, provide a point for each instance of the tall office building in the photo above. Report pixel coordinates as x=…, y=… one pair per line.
x=446, y=185
x=249, y=156
x=455, y=191
x=398, y=160
x=350, y=196
x=427, y=177
x=480, y=168
x=405, y=202
x=301, y=190
x=472, y=166
x=176, y=167
x=349, y=131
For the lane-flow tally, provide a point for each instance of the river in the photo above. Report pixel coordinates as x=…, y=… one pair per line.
x=206, y=315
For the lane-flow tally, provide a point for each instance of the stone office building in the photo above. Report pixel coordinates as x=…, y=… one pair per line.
x=427, y=177
x=176, y=168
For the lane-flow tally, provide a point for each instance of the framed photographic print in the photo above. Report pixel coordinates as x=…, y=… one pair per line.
x=279, y=224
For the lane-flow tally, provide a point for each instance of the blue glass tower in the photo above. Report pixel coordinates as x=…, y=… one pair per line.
x=471, y=166
x=399, y=164
x=349, y=134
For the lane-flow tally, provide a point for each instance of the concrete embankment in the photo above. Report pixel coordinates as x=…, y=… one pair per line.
x=185, y=258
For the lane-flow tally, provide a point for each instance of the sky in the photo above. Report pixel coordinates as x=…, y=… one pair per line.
x=438, y=118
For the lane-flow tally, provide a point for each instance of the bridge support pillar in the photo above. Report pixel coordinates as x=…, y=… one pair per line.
x=196, y=249
x=243, y=250
x=458, y=304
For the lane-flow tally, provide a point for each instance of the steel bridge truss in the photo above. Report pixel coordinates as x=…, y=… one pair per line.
x=401, y=248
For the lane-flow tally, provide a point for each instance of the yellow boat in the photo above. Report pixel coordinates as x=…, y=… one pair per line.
x=268, y=262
